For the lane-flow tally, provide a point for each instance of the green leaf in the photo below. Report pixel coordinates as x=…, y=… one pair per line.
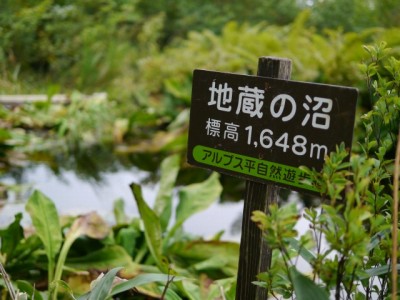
x=192, y=290
x=197, y=197
x=102, y=287
x=152, y=227
x=378, y=271
x=119, y=213
x=91, y=225
x=216, y=262
x=56, y=284
x=305, y=288
x=127, y=238
x=141, y=280
x=11, y=237
x=29, y=250
x=103, y=259
x=26, y=287
x=163, y=202
x=4, y=135
x=208, y=255
x=304, y=253
x=46, y=222
x=377, y=238
x=171, y=295
x=218, y=289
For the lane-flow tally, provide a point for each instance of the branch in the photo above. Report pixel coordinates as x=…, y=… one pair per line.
x=170, y=279
x=395, y=215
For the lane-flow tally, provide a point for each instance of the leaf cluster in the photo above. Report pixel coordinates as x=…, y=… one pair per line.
x=149, y=85
x=61, y=256
x=348, y=247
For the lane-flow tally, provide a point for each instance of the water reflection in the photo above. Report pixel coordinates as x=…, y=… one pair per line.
x=92, y=163
x=94, y=179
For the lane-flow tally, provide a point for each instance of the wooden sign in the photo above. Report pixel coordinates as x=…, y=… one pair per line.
x=263, y=129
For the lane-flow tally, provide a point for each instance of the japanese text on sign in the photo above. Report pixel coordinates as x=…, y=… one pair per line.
x=250, y=101
x=255, y=167
x=247, y=125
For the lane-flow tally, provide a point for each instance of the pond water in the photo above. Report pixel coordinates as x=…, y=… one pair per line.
x=91, y=180
x=75, y=195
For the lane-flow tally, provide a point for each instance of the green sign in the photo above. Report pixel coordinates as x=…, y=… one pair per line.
x=253, y=167
x=264, y=129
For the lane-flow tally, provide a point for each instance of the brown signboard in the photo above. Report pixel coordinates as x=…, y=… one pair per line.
x=264, y=129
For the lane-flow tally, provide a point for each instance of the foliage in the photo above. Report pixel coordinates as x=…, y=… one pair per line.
x=381, y=122
x=349, y=244
x=87, y=44
x=142, y=53
x=102, y=44
x=170, y=249
x=56, y=128
x=355, y=15
x=45, y=219
x=74, y=249
x=329, y=57
x=149, y=86
x=183, y=17
x=349, y=15
x=109, y=285
x=51, y=37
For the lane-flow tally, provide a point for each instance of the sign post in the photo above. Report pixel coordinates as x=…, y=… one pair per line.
x=262, y=129
x=255, y=255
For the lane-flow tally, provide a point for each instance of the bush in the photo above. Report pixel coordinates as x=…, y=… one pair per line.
x=351, y=237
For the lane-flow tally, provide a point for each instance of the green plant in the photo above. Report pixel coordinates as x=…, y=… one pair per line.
x=109, y=285
x=171, y=249
x=349, y=244
x=157, y=256
x=330, y=56
x=52, y=127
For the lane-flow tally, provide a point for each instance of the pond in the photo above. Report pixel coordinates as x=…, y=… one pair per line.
x=94, y=178
x=75, y=192
x=82, y=183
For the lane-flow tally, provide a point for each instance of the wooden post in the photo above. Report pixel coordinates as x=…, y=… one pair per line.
x=255, y=256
